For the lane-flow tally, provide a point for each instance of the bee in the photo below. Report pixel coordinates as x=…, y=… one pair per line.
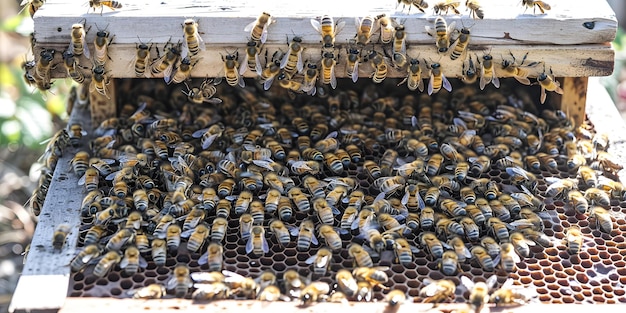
x=360, y=256
x=213, y=256
x=281, y=232
x=207, y=137
x=59, y=235
x=299, y=198
x=180, y=281
x=430, y=242
x=508, y=295
x=346, y=282
x=43, y=67
x=521, y=177
x=437, y=291
x=257, y=243
x=172, y=237
x=101, y=44
x=104, y=3
x=29, y=78
x=461, y=44
x=218, y=229
x=285, y=210
x=437, y=79
x=106, y=263
x=479, y=291
x=78, y=45
x=152, y=291
x=165, y=64
x=419, y=4
x=447, y=5
x=193, y=42
x=414, y=76
x=80, y=163
x=373, y=276
x=482, y=258
x=251, y=59
x=364, y=30
x=32, y=5
x=245, y=225
x=120, y=238
x=196, y=236
x=314, y=292
x=258, y=28
x=310, y=78
x=508, y=257
x=331, y=237
x=469, y=73
x=328, y=29
x=72, y=67
x=87, y=254
x=181, y=74
x=512, y=69
x=588, y=176
x=231, y=70
x=306, y=235
x=442, y=32
x=99, y=81
x=603, y=219
x=547, y=82
x=328, y=69
x=314, y=186
x=404, y=251
x=449, y=263
x=377, y=60
x=389, y=185
x=292, y=61
x=211, y=291
x=412, y=198
x=159, y=251
x=488, y=72
x=132, y=261
x=271, y=71
x=573, y=240
x=597, y=196
x=543, y=6
x=321, y=261
x=476, y=10
x=142, y=58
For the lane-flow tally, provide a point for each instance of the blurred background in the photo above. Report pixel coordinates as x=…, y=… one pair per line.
x=27, y=119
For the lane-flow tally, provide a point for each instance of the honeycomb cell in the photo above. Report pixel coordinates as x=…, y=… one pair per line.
x=528, y=280
x=116, y=291
x=78, y=286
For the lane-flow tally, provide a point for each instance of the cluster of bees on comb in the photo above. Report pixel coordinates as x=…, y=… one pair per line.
x=361, y=193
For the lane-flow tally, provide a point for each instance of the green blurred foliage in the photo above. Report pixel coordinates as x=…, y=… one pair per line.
x=611, y=82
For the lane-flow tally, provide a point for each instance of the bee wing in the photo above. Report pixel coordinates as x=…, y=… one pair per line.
x=230, y=277
x=264, y=245
x=86, y=49
x=200, y=42
x=316, y=25
x=243, y=66
x=187, y=233
x=203, y=259
x=355, y=72
x=249, y=245
x=483, y=79
x=171, y=284
x=468, y=283
x=429, y=30
x=285, y=59
x=495, y=80
x=249, y=26
x=339, y=26
x=184, y=48
x=314, y=239
x=446, y=84
x=268, y=82
x=241, y=82
x=264, y=32
x=430, y=84
x=333, y=78
x=311, y=259
x=515, y=257
x=300, y=62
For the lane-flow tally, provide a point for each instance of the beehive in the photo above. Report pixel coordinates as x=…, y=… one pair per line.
x=547, y=271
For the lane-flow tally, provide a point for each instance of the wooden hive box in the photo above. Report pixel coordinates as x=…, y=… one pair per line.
x=572, y=39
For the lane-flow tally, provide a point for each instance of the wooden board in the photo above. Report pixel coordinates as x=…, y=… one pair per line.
x=571, y=38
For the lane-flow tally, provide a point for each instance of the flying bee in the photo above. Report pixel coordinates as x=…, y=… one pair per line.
x=94, y=4
x=257, y=244
x=437, y=79
x=292, y=61
x=364, y=30
x=476, y=10
x=32, y=5
x=193, y=42
x=258, y=28
x=164, y=65
x=419, y=4
x=72, y=67
x=106, y=263
x=231, y=70
x=314, y=292
x=328, y=29
x=328, y=69
x=447, y=5
x=99, y=81
x=437, y=291
x=488, y=72
x=378, y=63
x=321, y=261
x=479, y=291
x=442, y=33
x=548, y=83
x=542, y=5
x=78, y=45
x=331, y=237
x=132, y=261
x=87, y=254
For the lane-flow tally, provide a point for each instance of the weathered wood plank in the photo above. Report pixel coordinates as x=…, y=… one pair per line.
x=45, y=278
x=574, y=98
x=222, y=22
x=565, y=61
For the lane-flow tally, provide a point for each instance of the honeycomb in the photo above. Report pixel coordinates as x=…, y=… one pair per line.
x=597, y=274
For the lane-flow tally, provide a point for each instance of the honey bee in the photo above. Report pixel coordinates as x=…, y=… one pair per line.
x=479, y=291
x=106, y=263
x=508, y=257
x=437, y=291
x=211, y=291
x=231, y=70
x=292, y=61
x=120, y=238
x=364, y=30
x=470, y=75
x=32, y=5
x=543, y=6
x=603, y=219
x=164, y=65
x=196, y=236
x=328, y=29
x=460, y=46
x=159, y=251
x=305, y=234
x=152, y=291
x=361, y=257
x=547, y=82
x=213, y=256
x=430, y=242
x=573, y=240
x=321, y=261
x=257, y=244
x=218, y=229
x=87, y=254
x=104, y=3
x=314, y=292
x=328, y=69
x=132, y=261
x=508, y=295
x=101, y=44
x=482, y=258
x=377, y=60
x=419, y=4
x=172, y=237
x=59, y=235
x=99, y=81
x=512, y=69
x=488, y=72
x=597, y=196
x=299, y=198
x=389, y=185
x=293, y=283
x=476, y=10
x=180, y=281
x=314, y=186
x=72, y=67
x=207, y=137
x=414, y=76
x=271, y=71
x=331, y=237
x=447, y=5
x=43, y=67
x=258, y=28
x=310, y=78
x=346, y=282
x=404, y=251
x=78, y=45
x=437, y=79
x=442, y=32
x=281, y=232
x=373, y=276
x=193, y=42
x=142, y=58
